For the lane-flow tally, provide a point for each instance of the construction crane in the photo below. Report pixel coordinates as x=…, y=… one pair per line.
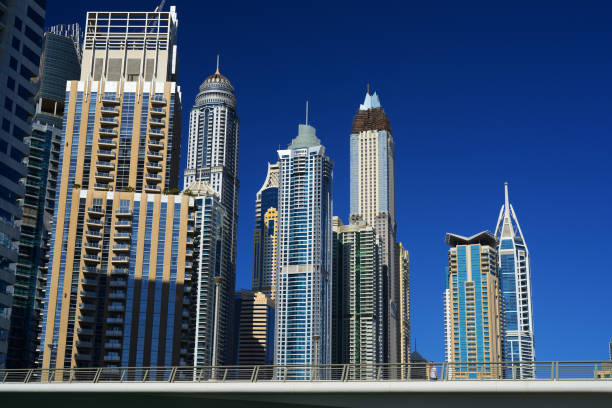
x=161, y=6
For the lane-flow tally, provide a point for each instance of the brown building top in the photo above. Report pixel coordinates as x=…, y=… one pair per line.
x=371, y=119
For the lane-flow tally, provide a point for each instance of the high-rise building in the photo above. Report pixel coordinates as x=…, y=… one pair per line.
x=254, y=313
x=212, y=156
x=373, y=200
x=21, y=34
x=474, y=305
x=404, y=302
x=360, y=300
x=265, y=236
x=303, y=292
x=515, y=286
x=207, y=277
x=59, y=63
x=119, y=264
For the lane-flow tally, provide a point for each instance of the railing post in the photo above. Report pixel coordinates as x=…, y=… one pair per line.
x=557, y=371
x=97, y=376
x=172, y=375
x=254, y=375
x=378, y=373
x=444, y=371
x=28, y=376
x=122, y=374
x=144, y=377
x=224, y=374
x=345, y=373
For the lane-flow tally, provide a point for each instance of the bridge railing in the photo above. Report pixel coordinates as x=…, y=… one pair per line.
x=416, y=371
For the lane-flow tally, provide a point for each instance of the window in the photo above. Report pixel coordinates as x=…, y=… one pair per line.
x=16, y=43
x=36, y=39
x=21, y=113
x=31, y=55
x=8, y=104
x=10, y=83
x=35, y=17
x=6, y=126
x=26, y=73
x=16, y=154
x=13, y=64
x=24, y=93
x=18, y=23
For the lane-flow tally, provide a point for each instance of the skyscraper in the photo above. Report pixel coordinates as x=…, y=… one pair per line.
x=254, y=313
x=119, y=263
x=303, y=293
x=59, y=62
x=515, y=286
x=207, y=277
x=474, y=306
x=21, y=35
x=404, y=302
x=265, y=236
x=212, y=156
x=360, y=300
x=373, y=200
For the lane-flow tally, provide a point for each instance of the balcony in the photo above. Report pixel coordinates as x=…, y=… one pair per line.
x=93, y=234
x=158, y=101
x=92, y=246
x=86, y=319
x=89, y=282
x=87, y=306
x=123, y=212
x=84, y=344
x=108, y=132
x=154, y=178
x=105, y=120
x=154, y=155
x=96, y=223
x=105, y=165
x=120, y=271
x=157, y=133
x=156, y=122
x=114, y=320
x=104, y=177
x=112, y=345
x=118, y=283
x=188, y=265
x=107, y=143
x=116, y=308
x=121, y=259
x=109, y=110
x=91, y=258
x=110, y=100
x=123, y=224
x=157, y=112
x=122, y=236
x=82, y=357
x=112, y=357
x=91, y=270
x=103, y=187
x=151, y=166
x=114, y=333
x=88, y=295
x=121, y=247
x=152, y=189
x=85, y=332
x=106, y=154
x=116, y=295
x=155, y=144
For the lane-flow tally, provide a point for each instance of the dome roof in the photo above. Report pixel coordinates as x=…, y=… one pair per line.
x=216, y=79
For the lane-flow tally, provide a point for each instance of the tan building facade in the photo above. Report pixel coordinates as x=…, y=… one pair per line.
x=474, y=307
x=119, y=281
x=404, y=302
x=255, y=313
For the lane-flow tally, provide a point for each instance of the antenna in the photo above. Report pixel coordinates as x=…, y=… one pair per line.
x=306, y=112
x=217, y=64
x=368, y=88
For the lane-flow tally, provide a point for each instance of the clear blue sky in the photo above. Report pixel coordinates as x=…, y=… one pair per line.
x=476, y=94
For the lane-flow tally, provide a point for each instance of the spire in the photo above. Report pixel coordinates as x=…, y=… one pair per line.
x=506, y=201
x=371, y=101
x=217, y=72
x=307, y=112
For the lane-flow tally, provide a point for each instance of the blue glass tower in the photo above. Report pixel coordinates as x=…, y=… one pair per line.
x=515, y=286
x=303, y=295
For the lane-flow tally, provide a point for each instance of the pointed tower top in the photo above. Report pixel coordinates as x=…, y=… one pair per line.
x=506, y=200
x=217, y=72
x=307, y=112
x=368, y=88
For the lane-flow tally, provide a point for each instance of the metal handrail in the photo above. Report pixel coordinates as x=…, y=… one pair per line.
x=416, y=371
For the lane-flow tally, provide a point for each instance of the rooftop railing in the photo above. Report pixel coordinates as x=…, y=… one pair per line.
x=507, y=371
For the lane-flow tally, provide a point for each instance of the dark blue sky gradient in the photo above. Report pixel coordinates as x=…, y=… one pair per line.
x=476, y=94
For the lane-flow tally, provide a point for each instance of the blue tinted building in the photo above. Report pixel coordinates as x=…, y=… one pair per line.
x=515, y=286
x=303, y=294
